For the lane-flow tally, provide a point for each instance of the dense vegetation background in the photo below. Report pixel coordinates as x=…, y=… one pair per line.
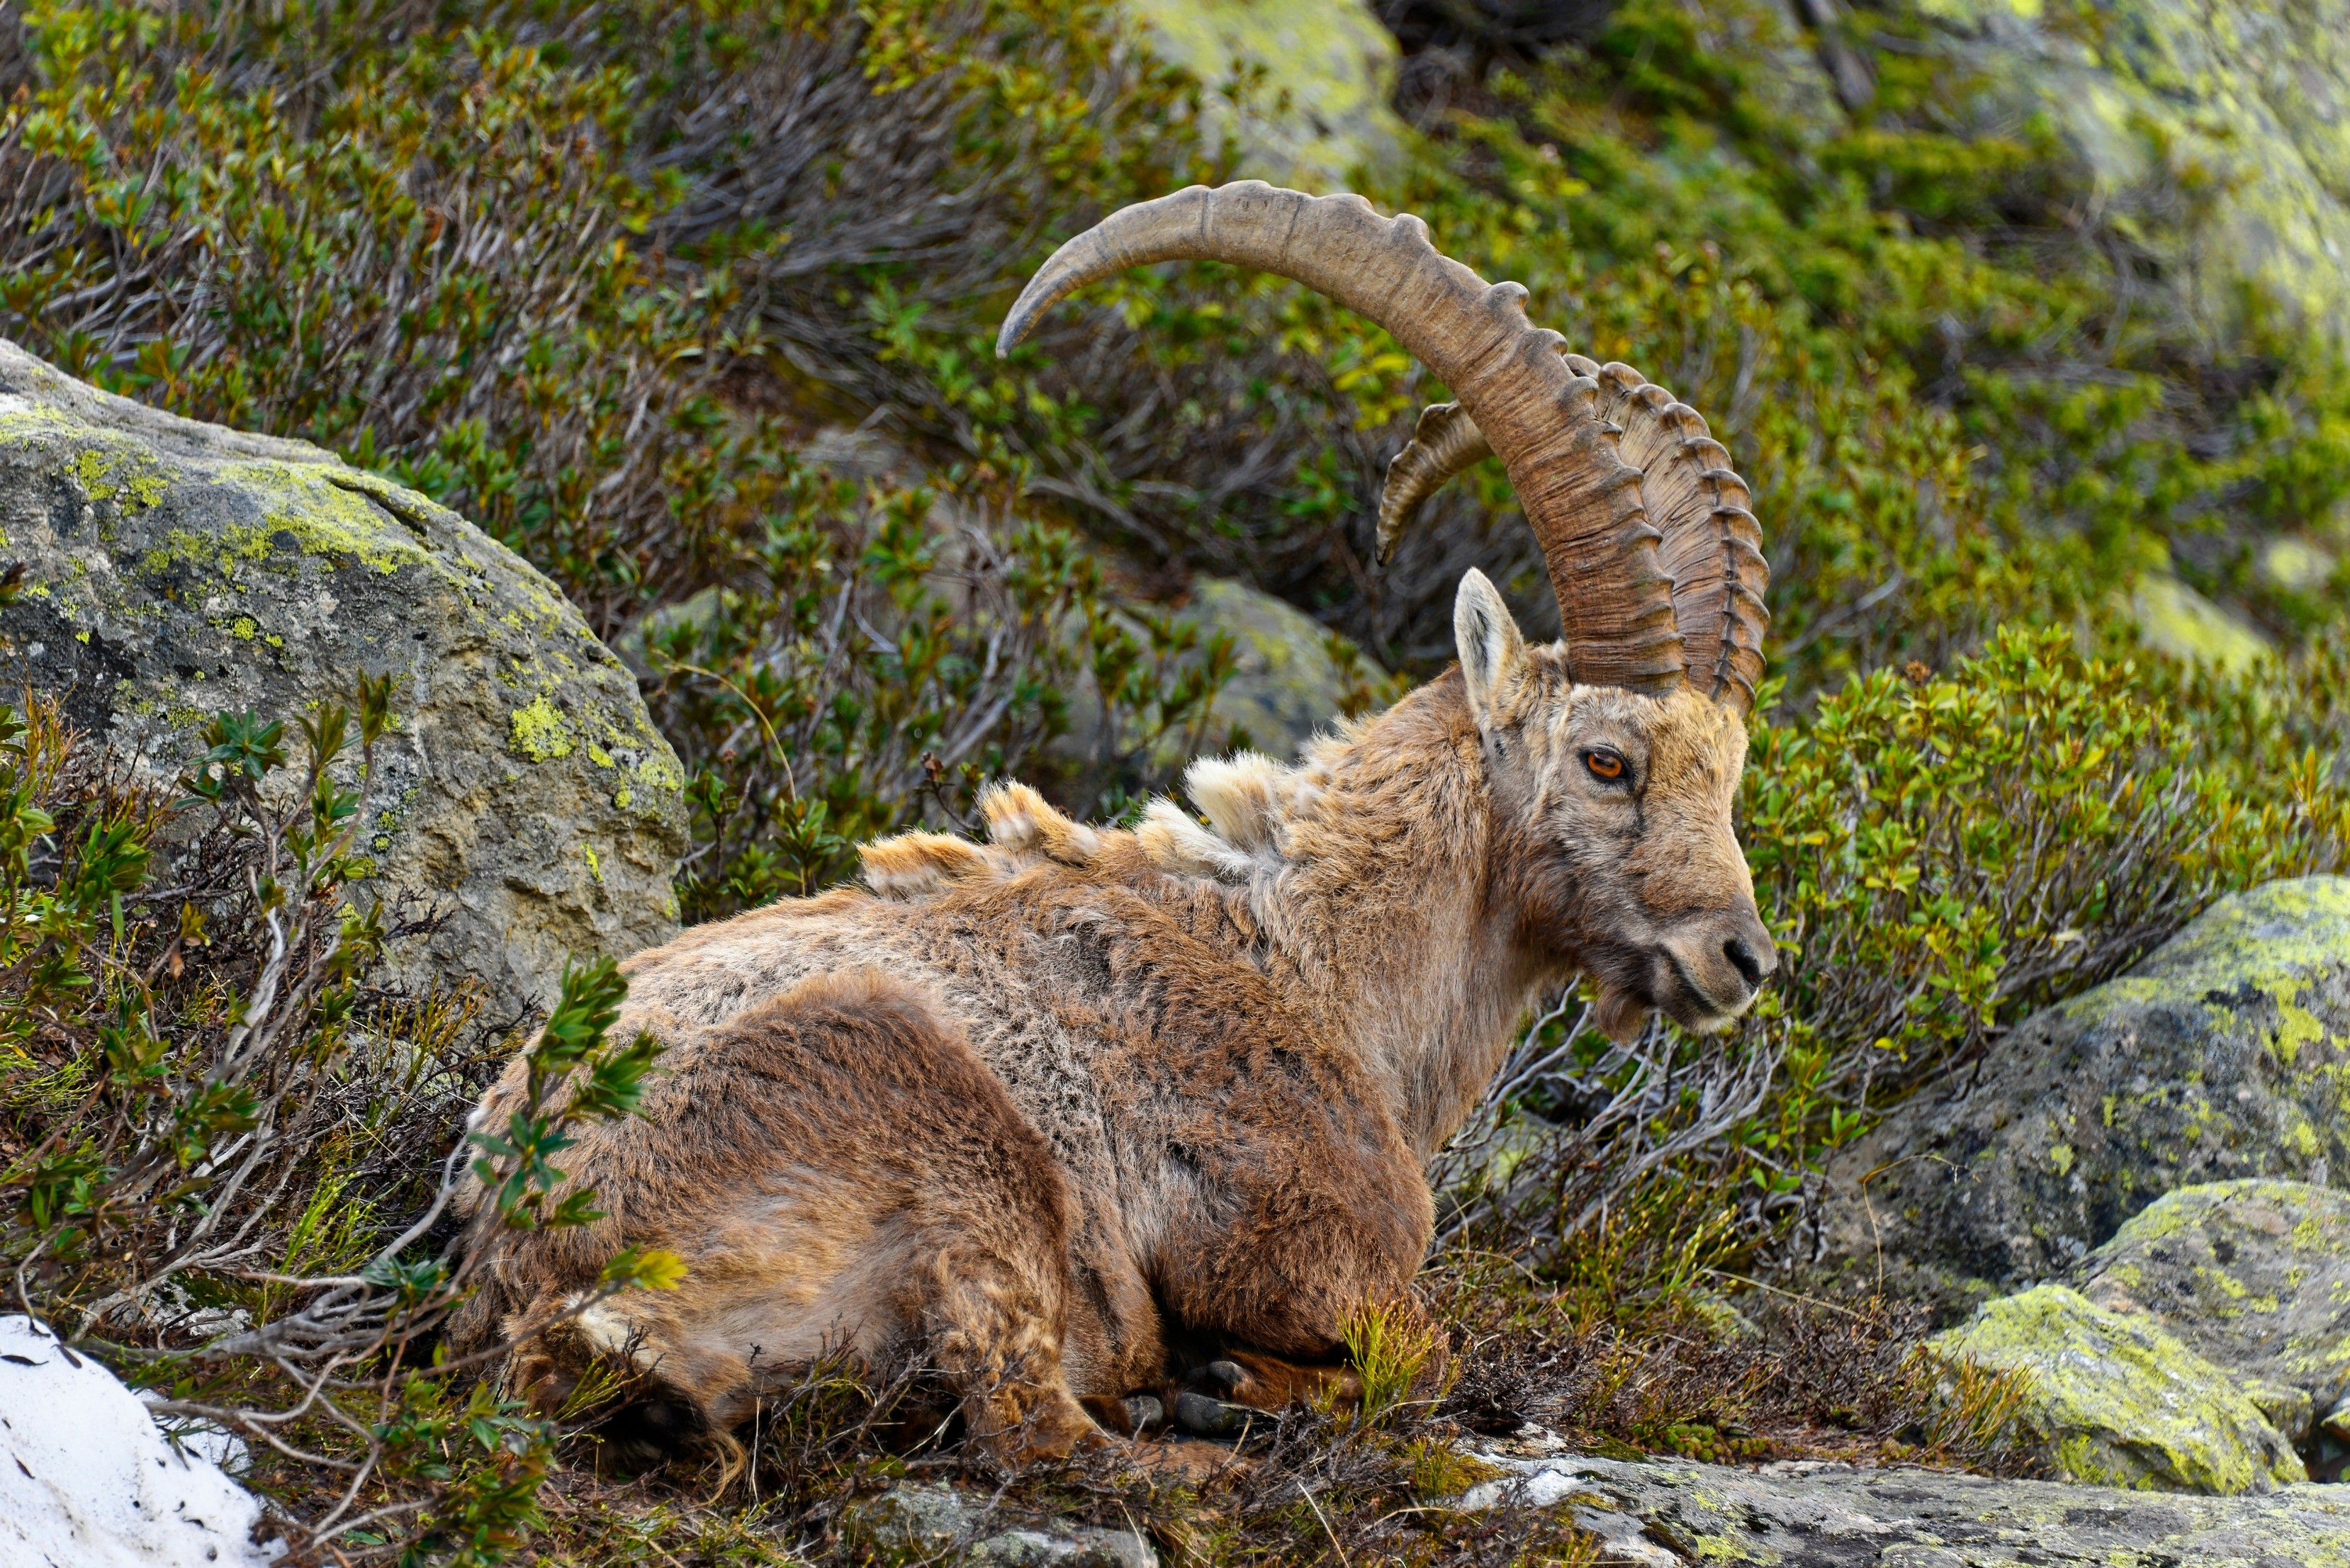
x=597, y=275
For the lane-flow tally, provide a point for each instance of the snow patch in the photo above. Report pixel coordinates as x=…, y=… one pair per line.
x=88, y=1481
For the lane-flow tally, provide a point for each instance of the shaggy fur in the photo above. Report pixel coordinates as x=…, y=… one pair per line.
x=1077, y=1109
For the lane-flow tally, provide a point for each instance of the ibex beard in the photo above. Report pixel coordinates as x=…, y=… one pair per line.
x=1079, y=1113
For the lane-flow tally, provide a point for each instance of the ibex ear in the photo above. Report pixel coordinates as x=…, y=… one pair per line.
x=1493, y=653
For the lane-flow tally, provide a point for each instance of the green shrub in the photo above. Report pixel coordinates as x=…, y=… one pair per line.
x=445, y=252
x=227, y=1160
x=1943, y=855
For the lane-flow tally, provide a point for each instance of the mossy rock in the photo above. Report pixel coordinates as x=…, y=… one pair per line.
x=1287, y=682
x=2254, y=1276
x=2219, y=135
x=2173, y=618
x=1331, y=59
x=176, y=570
x=2113, y=1400
x=2224, y=1056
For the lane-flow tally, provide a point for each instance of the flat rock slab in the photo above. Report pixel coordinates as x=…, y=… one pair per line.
x=1837, y=1516
x=935, y=1524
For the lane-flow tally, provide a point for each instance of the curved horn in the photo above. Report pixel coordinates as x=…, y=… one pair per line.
x=1445, y=442
x=1582, y=500
x=1712, y=547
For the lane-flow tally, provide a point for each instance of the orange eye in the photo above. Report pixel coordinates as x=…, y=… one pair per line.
x=1604, y=764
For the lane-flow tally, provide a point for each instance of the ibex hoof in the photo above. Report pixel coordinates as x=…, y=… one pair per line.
x=1223, y=1376
x=1204, y=1417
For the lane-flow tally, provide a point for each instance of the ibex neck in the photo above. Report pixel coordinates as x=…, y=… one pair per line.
x=1388, y=908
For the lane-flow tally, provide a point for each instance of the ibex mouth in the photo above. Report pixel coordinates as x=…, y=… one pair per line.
x=1662, y=981
x=1708, y=1010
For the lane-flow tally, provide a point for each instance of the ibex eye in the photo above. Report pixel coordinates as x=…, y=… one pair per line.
x=1604, y=764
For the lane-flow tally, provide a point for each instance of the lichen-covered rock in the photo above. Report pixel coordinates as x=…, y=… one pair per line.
x=1331, y=59
x=2173, y=618
x=2221, y=131
x=2113, y=1400
x=2226, y=1054
x=2254, y=1276
x=1813, y=1515
x=1285, y=685
x=174, y=570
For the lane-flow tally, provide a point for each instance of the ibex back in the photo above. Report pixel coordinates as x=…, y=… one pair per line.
x=1078, y=1109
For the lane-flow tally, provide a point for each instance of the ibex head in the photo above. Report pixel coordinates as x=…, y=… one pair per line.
x=1612, y=756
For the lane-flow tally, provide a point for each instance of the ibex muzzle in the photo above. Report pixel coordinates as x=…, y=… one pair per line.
x=1077, y=1112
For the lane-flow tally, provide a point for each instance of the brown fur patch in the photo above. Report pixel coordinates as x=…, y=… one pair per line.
x=837, y=1168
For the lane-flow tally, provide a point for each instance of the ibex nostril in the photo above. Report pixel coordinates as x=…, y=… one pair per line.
x=1742, y=959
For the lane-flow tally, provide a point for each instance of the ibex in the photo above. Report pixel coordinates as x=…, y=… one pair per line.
x=1078, y=1111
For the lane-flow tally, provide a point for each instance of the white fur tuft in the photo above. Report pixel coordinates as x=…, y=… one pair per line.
x=607, y=1333
x=1176, y=843
x=1240, y=797
x=1022, y=821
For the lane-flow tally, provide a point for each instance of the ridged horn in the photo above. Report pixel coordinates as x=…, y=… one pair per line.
x=1581, y=498
x=1444, y=441
x=1712, y=547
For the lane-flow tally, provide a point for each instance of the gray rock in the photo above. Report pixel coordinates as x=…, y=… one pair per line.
x=2111, y=1399
x=930, y=1518
x=2254, y=1276
x=1290, y=677
x=173, y=570
x=1811, y=1515
x=1286, y=686
x=2220, y=1057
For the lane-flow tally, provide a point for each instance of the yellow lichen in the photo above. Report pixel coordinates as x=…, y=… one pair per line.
x=126, y=476
x=538, y=732
x=2296, y=1027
